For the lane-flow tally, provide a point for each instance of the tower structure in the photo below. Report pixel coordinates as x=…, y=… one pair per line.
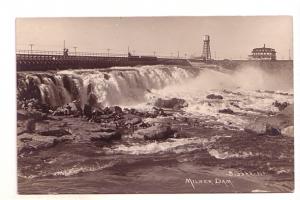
x=206, y=55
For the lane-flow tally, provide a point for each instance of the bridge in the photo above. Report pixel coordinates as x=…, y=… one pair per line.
x=29, y=60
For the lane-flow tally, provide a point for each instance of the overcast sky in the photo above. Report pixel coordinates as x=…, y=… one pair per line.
x=231, y=37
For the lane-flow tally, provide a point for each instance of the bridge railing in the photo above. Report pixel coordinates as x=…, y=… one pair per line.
x=61, y=53
x=34, y=53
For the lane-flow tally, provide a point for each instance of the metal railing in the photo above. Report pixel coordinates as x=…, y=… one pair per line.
x=70, y=53
x=33, y=53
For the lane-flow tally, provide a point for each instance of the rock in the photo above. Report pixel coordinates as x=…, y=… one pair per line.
x=263, y=128
x=106, y=136
x=133, y=121
x=22, y=115
x=55, y=132
x=272, y=130
x=226, y=111
x=280, y=106
x=27, y=143
x=116, y=110
x=33, y=114
x=273, y=125
x=173, y=103
x=288, y=131
x=106, y=76
x=158, y=132
x=30, y=125
x=214, y=96
x=256, y=128
x=144, y=125
x=108, y=130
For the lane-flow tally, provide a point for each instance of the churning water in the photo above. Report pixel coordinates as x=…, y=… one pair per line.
x=133, y=165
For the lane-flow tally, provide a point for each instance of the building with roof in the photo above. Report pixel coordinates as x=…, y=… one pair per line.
x=263, y=53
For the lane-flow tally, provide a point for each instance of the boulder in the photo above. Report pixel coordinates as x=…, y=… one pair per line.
x=158, y=132
x=105, y=136
x=226, y=111
x=214, y=96
x=173, y=103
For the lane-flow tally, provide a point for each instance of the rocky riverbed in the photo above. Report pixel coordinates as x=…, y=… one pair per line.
x=260, y=157
x=155, y=129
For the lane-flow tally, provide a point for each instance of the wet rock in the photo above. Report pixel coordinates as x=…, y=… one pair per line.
x=55, y=132
x=106, y=76
x=103, y=129
x=144, y=125
x=173, y=103
x=22, y=115
x=158, y=132
x=87, y=111
x=214, y=96
x=32, y=114
x=116, y=110
x=106, y=136
x=31, y=125
x=272, y=130
x=226, y=111
x=280, y=106
x=27, y=142
x=272, y=125
x=263, y=128
x=133, y=121
x=288, y=131
x=68, y=109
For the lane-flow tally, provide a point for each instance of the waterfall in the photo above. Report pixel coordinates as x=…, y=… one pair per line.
x=115, y=86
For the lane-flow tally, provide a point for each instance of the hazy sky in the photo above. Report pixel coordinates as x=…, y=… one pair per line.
x=231, y=37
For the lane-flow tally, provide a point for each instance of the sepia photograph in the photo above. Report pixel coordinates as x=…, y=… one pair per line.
x=154, y=105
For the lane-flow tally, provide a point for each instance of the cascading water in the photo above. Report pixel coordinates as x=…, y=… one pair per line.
x=209, y=140
x=125, y=86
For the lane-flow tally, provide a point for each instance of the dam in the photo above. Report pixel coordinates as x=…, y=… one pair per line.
x=27, y=60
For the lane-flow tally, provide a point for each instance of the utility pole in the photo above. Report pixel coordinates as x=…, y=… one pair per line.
x=215, y=55
x=31, y=45
x=108, y=52
x=75, y=50
x=154, y=53
x=177, y=54
x=64, y=44
x=185, y=55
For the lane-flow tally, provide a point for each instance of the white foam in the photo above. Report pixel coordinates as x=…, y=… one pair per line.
x=225, y=155
x=172, y=145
